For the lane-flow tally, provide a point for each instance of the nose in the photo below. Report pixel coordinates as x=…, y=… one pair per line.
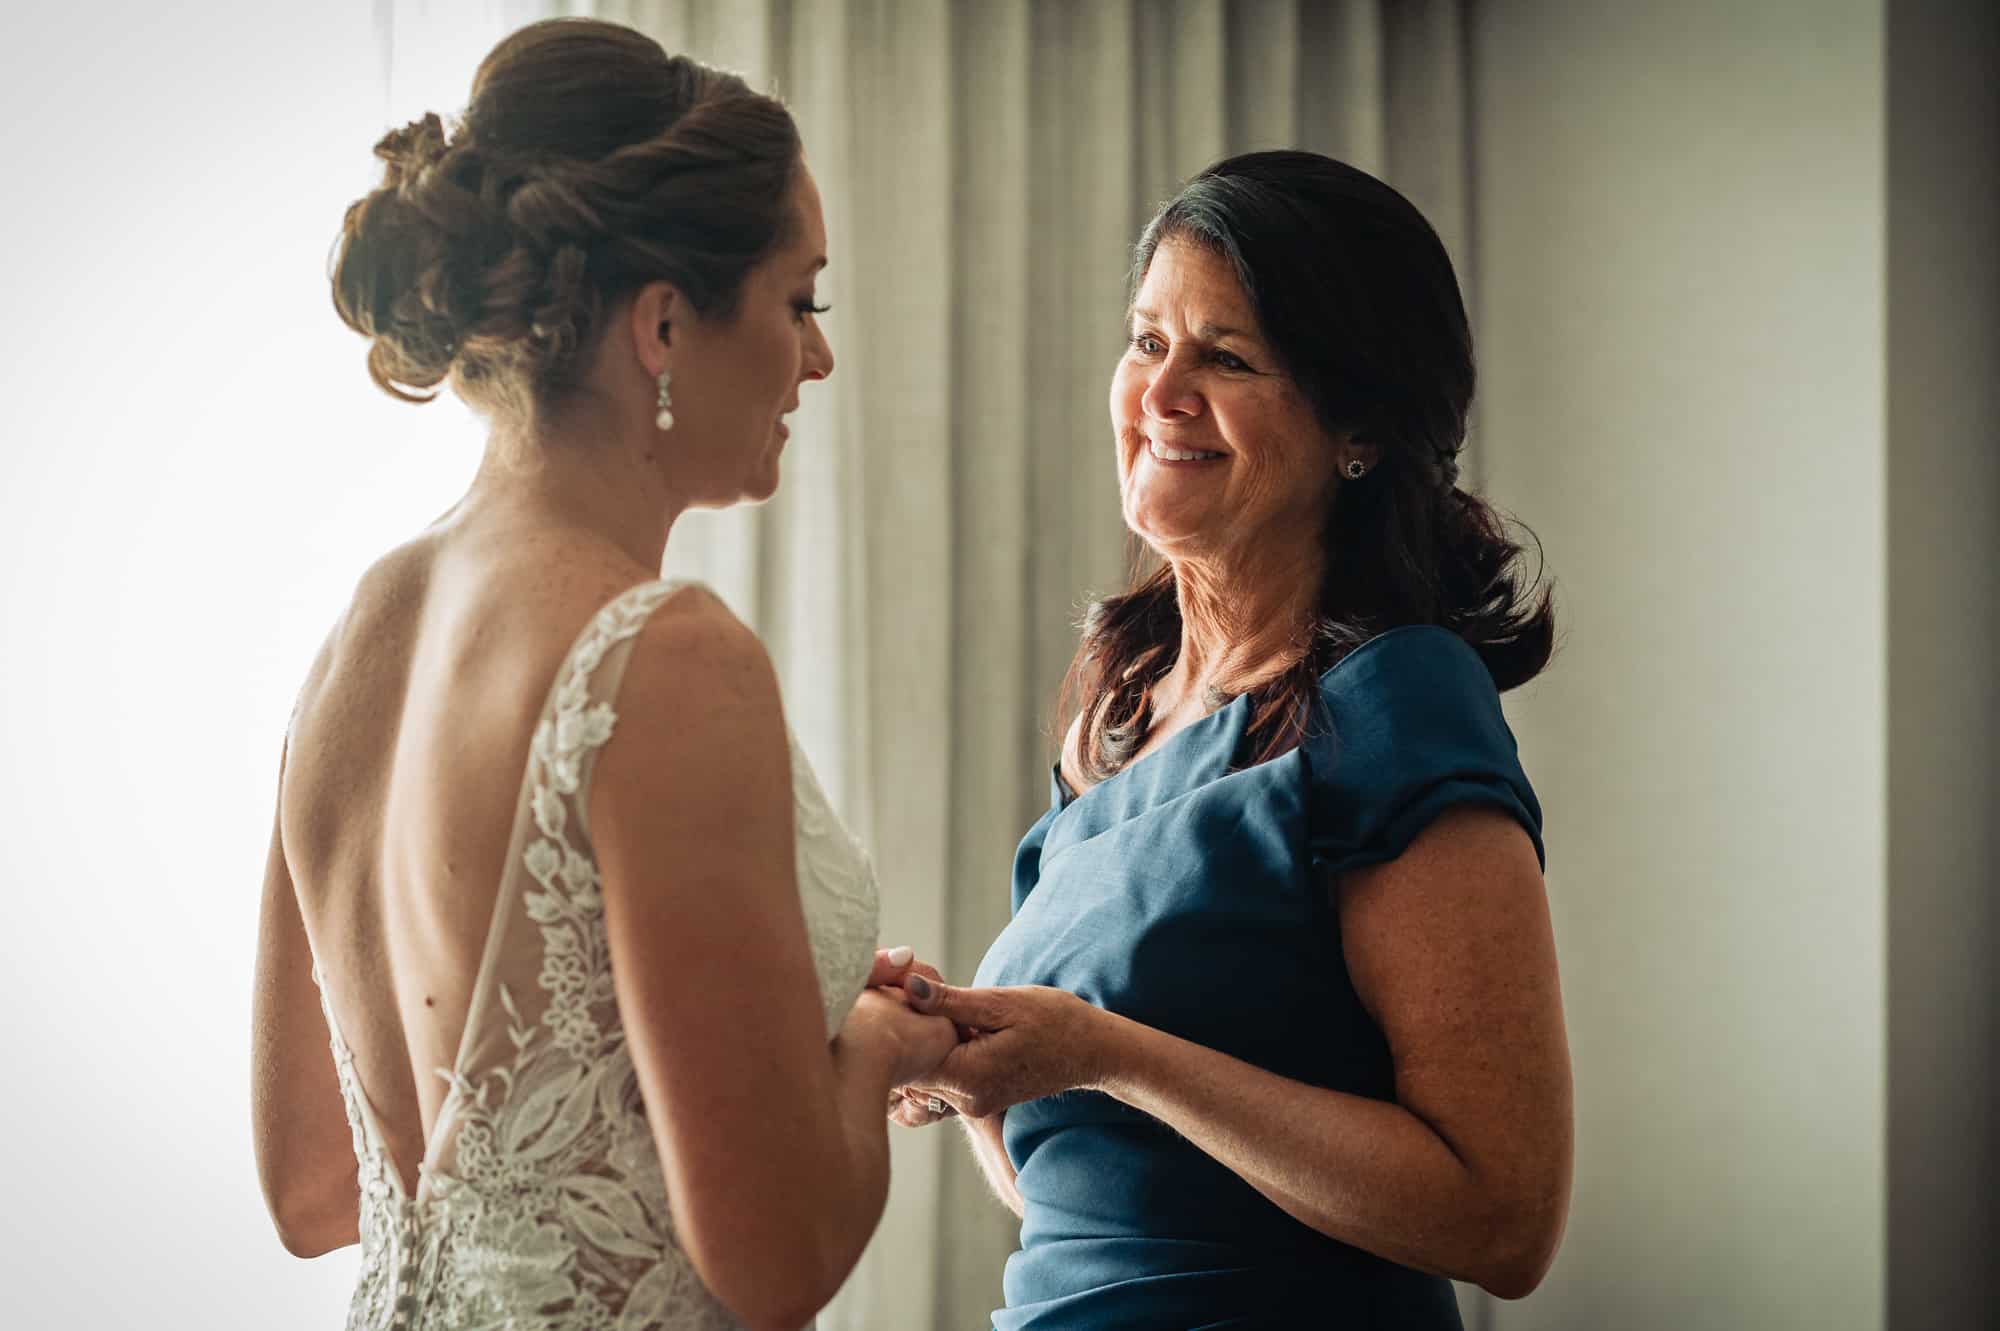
x=1171, y=393
x=818, y=363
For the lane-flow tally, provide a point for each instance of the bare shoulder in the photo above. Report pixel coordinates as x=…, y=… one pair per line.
x=389, y=590
x=698, y=707
x=694, y=650
x=694, y=787
x=400, y=577
x=382, y=610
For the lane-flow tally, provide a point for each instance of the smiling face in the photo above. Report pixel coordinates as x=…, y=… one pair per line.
x=1220, y=455
x=735, y=377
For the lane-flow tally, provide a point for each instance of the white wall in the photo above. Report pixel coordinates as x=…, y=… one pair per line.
x=1680, y=231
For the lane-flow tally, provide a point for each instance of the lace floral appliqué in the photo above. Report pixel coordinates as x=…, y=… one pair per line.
x=542, y=1204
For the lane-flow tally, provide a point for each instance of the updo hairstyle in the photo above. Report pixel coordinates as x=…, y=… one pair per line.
x=589, y=163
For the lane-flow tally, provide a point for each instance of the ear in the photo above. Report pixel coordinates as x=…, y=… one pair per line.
x=657, y=310
x=1356, y=448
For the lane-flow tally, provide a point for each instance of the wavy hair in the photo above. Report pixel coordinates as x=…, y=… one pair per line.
x=1356, y=295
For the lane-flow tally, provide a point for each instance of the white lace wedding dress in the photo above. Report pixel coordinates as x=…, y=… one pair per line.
x=540, y=1202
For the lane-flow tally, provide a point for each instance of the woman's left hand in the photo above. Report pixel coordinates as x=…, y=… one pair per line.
x=1026, y=1042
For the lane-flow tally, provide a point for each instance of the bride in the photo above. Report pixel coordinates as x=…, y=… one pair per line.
x=560, y=941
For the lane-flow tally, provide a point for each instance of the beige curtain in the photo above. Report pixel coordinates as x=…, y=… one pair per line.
x=949, y=498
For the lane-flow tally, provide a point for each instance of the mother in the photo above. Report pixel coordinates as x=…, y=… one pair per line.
x=1284, y=924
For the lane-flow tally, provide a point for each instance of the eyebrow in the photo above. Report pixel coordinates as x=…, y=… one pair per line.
x=1206, y=332
x=817, y=264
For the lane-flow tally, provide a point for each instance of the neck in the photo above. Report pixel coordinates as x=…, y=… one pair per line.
x=1242, y=620
x=587, y=470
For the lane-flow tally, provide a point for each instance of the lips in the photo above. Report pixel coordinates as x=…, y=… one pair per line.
x=1171, y=453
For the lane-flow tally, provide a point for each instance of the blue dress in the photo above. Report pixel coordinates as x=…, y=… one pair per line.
x=1191, y=895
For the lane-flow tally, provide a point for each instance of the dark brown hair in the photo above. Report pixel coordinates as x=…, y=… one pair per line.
x=589, y=163
x=1356, y=295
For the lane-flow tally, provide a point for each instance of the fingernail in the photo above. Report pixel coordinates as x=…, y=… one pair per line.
x=918, y=986
x=900, y=956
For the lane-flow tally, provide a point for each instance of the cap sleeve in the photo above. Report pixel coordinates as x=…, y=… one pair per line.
x=1410, y=726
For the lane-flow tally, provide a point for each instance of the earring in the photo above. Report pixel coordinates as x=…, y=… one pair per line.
x=1356, y=468
x=664, y=418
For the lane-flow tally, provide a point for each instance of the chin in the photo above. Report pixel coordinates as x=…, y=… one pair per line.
x=762, y=486
x=1165, y=531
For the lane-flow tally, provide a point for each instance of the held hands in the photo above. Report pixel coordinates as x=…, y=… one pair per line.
x=916, y=1041
x=1015, y=1044
x=909, y=1105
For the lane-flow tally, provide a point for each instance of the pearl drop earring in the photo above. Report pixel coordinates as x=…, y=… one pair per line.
x=664, y=418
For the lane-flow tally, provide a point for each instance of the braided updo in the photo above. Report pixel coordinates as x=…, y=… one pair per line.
x=589, y=163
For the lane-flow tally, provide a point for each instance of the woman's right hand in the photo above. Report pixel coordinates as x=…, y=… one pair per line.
x=915, y=1043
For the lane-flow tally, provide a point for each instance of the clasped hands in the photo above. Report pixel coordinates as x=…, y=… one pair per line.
x=1014, y=1044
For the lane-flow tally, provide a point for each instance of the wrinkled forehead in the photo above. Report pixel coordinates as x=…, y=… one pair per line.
x=1188, y=282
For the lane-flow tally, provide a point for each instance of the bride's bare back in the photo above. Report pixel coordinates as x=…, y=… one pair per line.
x=538, y=811
x=401, y=779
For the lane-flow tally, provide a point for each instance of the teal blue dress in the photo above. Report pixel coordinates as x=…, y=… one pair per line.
x=1190, y=893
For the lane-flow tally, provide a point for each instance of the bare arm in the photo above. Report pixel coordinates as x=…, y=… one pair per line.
x=772, y=1141
x=910, y=1106
x=983, y=1134
x=305, y=1151
x=1466, y=1174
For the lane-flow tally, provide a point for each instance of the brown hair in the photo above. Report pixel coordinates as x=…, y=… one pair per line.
x=1355, y=292
x=589, y=163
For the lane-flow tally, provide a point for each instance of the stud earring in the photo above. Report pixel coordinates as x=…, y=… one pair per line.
x=1356, y=468
x=664, y=417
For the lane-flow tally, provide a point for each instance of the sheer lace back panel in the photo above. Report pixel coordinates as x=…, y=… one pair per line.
x=540, y=1201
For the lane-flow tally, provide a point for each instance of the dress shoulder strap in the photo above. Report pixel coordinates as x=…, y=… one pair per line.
x=541, y=1008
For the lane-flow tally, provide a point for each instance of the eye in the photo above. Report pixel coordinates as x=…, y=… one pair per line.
x=1148, y=344
x=804, y=306
x=1229, y=361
